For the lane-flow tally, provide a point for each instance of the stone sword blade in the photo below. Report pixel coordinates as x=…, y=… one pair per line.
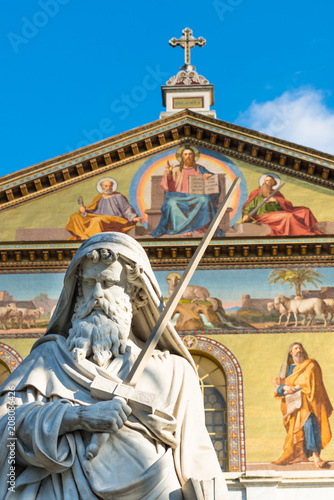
x=167, y=312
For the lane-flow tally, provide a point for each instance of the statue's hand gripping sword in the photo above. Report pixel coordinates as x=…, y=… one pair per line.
x=102, y=388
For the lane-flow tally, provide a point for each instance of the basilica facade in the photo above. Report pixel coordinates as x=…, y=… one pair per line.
x=265, y=282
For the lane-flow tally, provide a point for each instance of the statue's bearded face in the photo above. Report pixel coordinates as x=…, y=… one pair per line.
x=103, y=313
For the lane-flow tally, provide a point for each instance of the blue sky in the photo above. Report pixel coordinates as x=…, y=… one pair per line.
x=69, y=64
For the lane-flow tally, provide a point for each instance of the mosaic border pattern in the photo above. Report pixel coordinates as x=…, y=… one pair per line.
x=235, y=396
x=10, y=356
x=34, y=271
x=257, y=331
x=198, y=333
x=31, y=335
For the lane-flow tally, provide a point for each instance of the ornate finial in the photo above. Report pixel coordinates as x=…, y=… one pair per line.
x=187, y=89
x=188, y=74
x=187, y=42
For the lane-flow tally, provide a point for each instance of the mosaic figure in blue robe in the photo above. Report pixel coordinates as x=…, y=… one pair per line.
x=182, y=212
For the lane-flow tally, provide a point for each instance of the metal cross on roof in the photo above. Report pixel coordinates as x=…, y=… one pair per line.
x=187, y=42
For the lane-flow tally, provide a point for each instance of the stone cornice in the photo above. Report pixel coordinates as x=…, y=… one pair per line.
x=173, y=254
x=238, y=142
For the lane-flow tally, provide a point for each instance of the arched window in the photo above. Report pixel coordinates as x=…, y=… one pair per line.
x=9, y=360
x=4, y=371
x=214, y=390
x=228, y=368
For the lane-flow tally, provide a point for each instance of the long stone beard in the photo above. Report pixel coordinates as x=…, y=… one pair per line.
x=298, y=358
x=101, y=332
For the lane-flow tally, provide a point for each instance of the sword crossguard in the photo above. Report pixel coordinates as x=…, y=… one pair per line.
x=105, y=389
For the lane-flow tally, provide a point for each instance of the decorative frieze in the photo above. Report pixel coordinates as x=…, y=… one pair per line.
x=171, y=253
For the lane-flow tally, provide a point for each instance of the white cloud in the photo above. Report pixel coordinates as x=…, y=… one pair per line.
x=299, y=116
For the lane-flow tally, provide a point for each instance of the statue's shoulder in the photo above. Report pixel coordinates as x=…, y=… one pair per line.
x=165, y=359
x=42, y=359
x=183, y=365
x=48, y=342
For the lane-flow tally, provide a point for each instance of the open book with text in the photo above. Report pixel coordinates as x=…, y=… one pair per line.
x=197, y=185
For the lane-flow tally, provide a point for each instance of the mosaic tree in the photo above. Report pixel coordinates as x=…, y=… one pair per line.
x=295, y=278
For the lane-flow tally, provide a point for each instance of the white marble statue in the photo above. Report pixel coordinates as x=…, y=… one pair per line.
x=108, y=306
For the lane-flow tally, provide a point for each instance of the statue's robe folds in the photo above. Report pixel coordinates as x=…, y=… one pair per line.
x=314, y=400
x=282, y=217
x=113, y=213
x=143, y=460
x=182, y=212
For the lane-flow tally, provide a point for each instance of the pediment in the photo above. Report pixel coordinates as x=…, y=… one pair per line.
x=253, y=147
x=36, y=204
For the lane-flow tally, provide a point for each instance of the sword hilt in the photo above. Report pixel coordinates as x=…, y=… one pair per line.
x=98, y=440
x=96, y=444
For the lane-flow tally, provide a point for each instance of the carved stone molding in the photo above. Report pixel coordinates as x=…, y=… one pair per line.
x=169, y=254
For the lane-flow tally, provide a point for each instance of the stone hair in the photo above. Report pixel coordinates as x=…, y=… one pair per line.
x=102, y=254
x=135, y=287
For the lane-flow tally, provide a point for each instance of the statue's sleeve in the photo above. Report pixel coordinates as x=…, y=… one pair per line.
x=34, y=432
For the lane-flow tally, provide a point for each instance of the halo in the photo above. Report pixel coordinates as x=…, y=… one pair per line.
x=179, y=152
x=99, y=182
x=274, y=176
x=173, y=274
